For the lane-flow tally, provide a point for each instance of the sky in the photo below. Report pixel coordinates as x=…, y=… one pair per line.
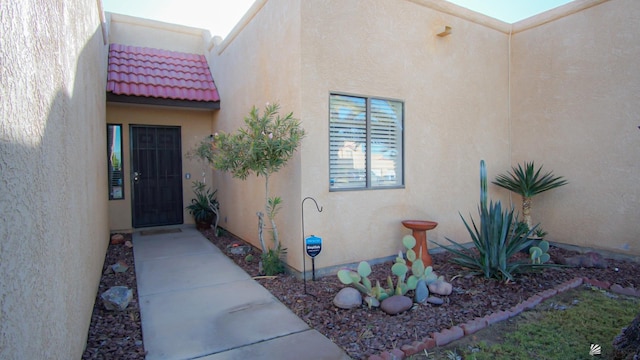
x=220, y=16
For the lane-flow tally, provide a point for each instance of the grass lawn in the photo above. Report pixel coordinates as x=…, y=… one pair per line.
x=563, y=327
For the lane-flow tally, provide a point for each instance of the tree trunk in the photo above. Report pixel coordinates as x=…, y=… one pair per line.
x=526, y=210
x=627, y=344
x=260, y=235
x=276, y=242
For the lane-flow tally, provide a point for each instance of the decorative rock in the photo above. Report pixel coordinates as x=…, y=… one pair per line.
x=593, y=259
x=587, y=260
x=474, y=325
x=120, y=266
x=428, y=343
x=598, y=283
x=239, y=249
x=421, y=292
x=497, y=317
x=395, y=354
x=441, y=287
x=117, y=298
x=548, y=294
x=517, y=309
x=448, y=335
x=531, y=302
x=629, y=291
x=117, y=239
x=347, y=298
x=409, y=350
x=396, y=304
x=435, y=300
x=128, y=244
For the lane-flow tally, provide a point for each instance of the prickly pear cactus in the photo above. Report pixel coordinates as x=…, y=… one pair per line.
x=539, y=253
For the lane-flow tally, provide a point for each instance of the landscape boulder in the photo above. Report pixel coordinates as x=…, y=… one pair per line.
x=441, y=287
x=236, y=249
x=435, y=300
x=421, y=292
x=396, y=304
x=120, y=267
x=587, y=260
x=348, y=298
x=117, y=239
x=117, y=298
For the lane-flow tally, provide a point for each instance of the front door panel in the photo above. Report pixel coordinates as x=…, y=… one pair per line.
x=156, y=176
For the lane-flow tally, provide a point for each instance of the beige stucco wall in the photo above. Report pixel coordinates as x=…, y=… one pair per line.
x=456, y=113
x=194, y=126
x=260, y=65
x=53, y=202
x=135, y=31
x=575, y=90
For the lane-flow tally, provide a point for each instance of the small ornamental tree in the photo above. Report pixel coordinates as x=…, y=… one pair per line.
x=262, y=147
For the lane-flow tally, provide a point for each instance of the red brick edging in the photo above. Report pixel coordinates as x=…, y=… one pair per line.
x=457, y=332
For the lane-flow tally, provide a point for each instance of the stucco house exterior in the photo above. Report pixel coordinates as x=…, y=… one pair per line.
x=400, y=100
x=559, y=88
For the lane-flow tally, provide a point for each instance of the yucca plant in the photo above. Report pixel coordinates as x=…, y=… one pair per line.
x=528, y=182
x=495, y=239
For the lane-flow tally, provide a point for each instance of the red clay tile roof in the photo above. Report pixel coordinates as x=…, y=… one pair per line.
x=140, y=71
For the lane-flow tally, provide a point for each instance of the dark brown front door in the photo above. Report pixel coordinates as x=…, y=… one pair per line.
x=156, y=160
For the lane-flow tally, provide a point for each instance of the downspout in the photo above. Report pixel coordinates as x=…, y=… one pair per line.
x=509, y=119
x=509, y=95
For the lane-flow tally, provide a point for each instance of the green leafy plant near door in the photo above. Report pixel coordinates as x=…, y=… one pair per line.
x=262, y=147
x=204, y=206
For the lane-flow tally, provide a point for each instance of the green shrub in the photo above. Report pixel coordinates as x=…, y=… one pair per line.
x=272, y=261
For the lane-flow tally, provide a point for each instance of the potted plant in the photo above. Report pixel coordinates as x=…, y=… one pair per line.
x=204, y=206
x=527, y=182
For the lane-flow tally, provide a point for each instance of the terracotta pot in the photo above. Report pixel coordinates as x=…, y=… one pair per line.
x=204, y=225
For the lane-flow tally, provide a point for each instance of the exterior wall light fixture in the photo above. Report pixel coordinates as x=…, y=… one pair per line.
x=446, y=32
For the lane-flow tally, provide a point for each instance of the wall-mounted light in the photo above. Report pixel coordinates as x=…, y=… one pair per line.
x=446, y=32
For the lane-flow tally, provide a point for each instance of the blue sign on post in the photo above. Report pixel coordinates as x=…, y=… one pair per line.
x=313, y=245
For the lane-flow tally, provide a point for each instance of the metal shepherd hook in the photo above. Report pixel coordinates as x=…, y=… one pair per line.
x=304, y=268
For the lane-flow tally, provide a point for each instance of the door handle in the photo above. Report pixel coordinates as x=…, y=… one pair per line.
x=136, y=176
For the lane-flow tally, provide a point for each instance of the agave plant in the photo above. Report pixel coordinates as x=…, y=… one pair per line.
x=496, y=240
x=528, y=182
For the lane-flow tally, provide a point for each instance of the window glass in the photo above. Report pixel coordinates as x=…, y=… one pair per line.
x=114, y=153
x=365, y=143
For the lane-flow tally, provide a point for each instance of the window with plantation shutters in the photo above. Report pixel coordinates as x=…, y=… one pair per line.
x=365, y=143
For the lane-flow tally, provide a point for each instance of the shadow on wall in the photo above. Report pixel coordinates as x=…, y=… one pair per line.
x=54, y=196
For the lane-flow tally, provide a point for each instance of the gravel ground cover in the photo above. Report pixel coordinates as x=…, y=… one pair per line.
x=360, y=332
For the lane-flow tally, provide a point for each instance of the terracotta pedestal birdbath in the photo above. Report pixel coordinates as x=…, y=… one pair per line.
x=419, y=228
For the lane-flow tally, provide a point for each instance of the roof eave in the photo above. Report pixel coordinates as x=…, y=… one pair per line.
x=143, y=100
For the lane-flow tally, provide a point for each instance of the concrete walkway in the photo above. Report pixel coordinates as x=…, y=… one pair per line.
x=196, y=303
